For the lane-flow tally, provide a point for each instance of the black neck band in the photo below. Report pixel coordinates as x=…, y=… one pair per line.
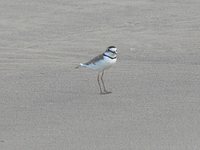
x=109, y=56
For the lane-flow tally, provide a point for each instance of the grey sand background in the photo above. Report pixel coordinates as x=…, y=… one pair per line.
x=45, y=104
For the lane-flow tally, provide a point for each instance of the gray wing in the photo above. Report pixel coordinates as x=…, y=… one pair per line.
x=95, y=59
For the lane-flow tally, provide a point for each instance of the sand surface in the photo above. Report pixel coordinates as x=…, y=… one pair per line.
x=45, y=104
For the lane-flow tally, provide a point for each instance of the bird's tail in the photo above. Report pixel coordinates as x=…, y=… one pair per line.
x=80, y=65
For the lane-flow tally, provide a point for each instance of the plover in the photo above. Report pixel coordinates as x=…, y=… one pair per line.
x=100, y=63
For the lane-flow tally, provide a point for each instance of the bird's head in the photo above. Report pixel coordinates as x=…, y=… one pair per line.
x=112, y=49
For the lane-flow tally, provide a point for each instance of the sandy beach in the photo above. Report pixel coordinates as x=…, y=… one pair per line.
x=46, y=104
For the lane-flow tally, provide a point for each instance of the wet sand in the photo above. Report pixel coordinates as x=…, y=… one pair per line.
x=46, y=104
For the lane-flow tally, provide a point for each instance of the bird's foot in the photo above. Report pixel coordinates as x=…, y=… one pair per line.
x=105, y=92
x=108, y=92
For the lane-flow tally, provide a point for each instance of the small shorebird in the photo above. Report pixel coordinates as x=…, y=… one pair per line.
x=100, y=63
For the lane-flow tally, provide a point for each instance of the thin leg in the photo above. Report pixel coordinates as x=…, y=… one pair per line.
x=104, y=88
x=99, y=84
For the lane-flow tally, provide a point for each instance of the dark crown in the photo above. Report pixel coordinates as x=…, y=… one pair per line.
x=111, y=47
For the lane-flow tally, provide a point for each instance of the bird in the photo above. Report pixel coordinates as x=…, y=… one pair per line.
x=101, y=63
